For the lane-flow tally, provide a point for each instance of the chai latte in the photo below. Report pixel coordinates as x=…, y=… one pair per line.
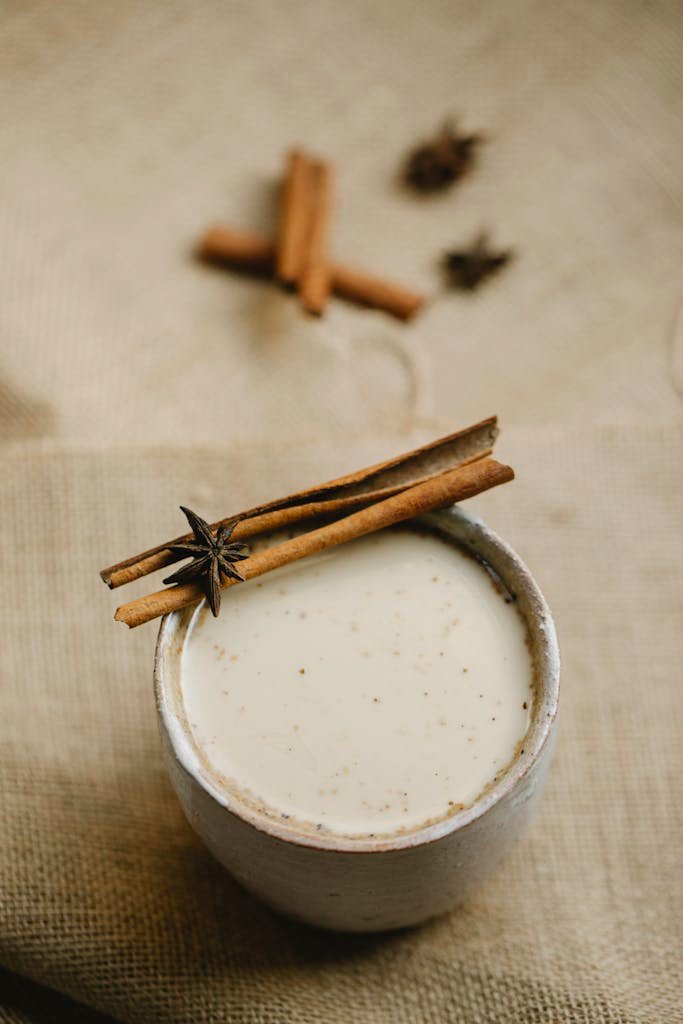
x=369, y=690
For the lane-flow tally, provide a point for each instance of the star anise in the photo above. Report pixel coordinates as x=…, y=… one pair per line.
x=212, y=557
x=467, y=268
x=441, y=161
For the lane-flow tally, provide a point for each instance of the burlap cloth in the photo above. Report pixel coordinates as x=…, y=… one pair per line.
x=132, y=379
x=108, y=896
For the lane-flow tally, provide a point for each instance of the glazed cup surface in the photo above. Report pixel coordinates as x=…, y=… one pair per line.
x=389, y=882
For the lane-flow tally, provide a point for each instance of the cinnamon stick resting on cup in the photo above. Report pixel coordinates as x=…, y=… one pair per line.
x=437, y=492
x=343, y=494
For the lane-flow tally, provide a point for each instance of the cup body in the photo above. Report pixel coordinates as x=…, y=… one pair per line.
x=366, y=884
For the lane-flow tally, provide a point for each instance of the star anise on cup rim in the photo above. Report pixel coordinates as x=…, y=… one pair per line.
x=212, y=557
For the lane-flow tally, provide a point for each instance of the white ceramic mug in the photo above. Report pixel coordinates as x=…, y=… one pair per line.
x=368, y=884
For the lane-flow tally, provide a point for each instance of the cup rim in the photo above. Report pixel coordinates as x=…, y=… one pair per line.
x=474, y=534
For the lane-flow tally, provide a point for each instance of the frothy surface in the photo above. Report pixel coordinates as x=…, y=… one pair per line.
x=371, y=689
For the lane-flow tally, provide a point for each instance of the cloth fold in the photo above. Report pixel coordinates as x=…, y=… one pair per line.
x=108, y=897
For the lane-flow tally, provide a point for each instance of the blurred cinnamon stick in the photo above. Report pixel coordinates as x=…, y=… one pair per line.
x=315, y=278
x=249, y=251
x=295, y=218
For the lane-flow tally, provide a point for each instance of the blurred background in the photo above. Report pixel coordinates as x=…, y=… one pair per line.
x=133, y=379
x=129, y=128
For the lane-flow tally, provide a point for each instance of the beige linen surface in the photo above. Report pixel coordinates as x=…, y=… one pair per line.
x=108, y=896
x=129, y=127
x=132, y=379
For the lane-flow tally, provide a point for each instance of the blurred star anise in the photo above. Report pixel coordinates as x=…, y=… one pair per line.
x=467, y=268
x=212, y=557
x=438, y=163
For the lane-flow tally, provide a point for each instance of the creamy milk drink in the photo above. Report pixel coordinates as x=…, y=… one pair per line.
x=368, y=691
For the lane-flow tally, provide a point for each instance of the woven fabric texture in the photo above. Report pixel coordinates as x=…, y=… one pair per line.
x=109, y=898
x=132, y=378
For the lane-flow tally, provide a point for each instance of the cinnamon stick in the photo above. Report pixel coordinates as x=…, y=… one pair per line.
x=354, y=489
x=249, y=251
x=315, y=280
x=295, y=218
x=375, y=292
x=245, y=250
x=438, y=492
x=269, y=522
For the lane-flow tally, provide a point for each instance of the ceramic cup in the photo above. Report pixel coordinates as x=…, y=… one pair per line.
x=363, y=884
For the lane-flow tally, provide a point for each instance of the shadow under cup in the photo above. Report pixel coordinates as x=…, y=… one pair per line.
x=371, y=884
